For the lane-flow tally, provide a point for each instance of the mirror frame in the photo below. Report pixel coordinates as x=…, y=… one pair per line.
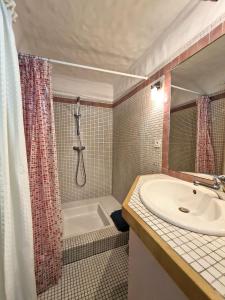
x=205, y=41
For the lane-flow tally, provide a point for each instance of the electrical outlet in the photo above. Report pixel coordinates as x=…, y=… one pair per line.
x=157, y=143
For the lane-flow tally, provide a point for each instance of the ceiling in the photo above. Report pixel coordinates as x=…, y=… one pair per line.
x=204, y=72
x=110, y=34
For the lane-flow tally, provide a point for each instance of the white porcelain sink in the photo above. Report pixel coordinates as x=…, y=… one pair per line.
x=181, y=203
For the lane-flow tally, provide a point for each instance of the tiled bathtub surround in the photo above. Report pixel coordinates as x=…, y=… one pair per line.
x=96, y=134
x=89, y=244
x=82, y=246
x=138, y=121
x=205, y=254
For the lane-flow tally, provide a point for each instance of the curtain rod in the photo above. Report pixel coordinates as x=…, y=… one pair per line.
x=183, y=89
x=54, y=61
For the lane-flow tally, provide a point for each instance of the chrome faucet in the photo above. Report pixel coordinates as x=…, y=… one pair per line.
x=218, y=184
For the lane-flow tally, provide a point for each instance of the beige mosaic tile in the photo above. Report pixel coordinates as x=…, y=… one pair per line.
x=101, y=277
x=137, y=123
x=183, y=137
x=96, y=134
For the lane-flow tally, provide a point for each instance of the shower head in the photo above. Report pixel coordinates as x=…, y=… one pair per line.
x=77, y=114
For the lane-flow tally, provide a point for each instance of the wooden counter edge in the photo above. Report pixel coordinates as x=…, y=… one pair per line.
x=191, y=283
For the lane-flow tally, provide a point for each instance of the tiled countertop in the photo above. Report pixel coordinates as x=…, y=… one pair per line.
x=205, y=254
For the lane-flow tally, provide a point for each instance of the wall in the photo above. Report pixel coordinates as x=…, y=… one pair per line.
x=137, y=122
x=218, y=133
x=183, y=137
x=182, y=150
x=96, y=133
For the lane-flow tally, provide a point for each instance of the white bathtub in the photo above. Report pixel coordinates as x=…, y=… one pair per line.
x=84, y=218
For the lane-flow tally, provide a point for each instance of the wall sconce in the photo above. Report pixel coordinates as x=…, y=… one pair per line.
x=156, y=86
x=156, y=90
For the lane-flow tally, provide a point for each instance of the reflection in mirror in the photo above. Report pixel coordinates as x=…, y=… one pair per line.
x=197, y=115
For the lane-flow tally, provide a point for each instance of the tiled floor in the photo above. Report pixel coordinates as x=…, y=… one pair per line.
x=99, y=277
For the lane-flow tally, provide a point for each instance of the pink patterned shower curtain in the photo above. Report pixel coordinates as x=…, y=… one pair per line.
x=41, y=155
x=205, y=159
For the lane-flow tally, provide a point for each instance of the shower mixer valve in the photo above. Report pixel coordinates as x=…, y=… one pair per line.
x=77, y=115
x=79, y=149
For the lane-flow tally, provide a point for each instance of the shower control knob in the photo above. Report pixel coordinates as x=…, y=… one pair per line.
x=77, y=115
x=79, y=148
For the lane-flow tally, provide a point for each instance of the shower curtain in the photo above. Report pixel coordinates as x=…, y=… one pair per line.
x=17, y=281
x=39, y=129
x=205, y=160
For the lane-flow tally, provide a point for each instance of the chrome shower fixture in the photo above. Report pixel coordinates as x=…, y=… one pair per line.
x=77, y=116
x=80, y=167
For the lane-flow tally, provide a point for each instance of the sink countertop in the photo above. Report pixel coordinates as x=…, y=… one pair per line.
x=195, y=261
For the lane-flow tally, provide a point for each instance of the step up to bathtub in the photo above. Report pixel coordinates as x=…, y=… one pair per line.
x=92, y=243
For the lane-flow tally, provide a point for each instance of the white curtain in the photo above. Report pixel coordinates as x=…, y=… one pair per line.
x=17, y=281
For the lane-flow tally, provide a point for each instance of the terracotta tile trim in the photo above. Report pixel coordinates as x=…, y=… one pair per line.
x=202, y=43
x=218, y=96
x=166, y=120
x=184, y=106
x=216, y=33
x=193, y=103
x=82, y=102
x=138, y=88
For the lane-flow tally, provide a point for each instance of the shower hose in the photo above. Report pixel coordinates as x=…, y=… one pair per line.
x=80, y=167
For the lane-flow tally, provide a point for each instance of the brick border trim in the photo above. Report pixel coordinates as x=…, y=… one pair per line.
x=82, y=102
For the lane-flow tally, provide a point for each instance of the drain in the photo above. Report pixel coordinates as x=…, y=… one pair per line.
x=184, y=210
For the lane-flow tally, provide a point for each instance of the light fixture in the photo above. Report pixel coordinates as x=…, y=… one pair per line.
x=156, y=91
x=156, y=86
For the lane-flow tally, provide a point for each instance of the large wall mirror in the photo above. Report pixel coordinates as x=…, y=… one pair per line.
x=197, y=114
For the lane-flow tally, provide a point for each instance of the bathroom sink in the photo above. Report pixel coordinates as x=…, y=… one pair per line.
x=187, y=206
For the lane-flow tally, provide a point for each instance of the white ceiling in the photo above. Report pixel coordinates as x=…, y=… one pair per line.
x=204, y=72
x=110, y=34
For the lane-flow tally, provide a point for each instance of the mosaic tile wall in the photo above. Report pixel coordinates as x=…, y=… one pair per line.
x=218, y=133
x=183, y=137
x=96, y=133
x=182, y=147
x=137, y=121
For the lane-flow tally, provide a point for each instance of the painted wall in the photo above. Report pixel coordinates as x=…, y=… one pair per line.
x=96, y=133
x=137, y=123
x=146, y=277
x=68, y=86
